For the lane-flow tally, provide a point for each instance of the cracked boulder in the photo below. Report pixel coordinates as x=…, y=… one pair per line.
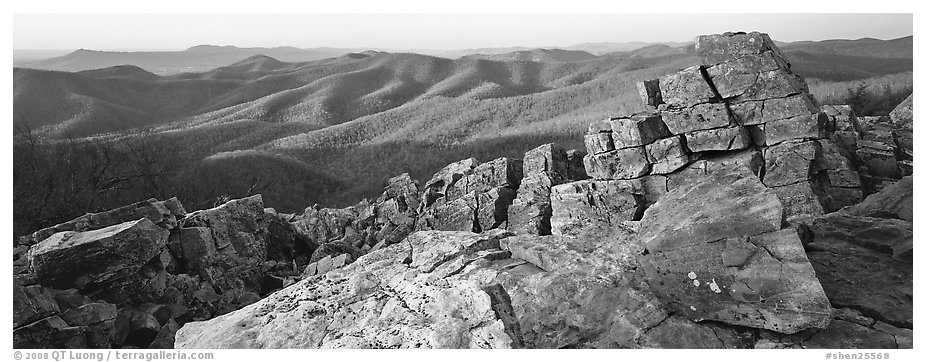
x=716, y=251
x=72, y=259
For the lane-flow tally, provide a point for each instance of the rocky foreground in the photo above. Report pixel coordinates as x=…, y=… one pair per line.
x=737, y=213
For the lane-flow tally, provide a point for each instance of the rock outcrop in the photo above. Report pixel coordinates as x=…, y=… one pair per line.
x=742, y=97
x=498, y=290
x=130, y=277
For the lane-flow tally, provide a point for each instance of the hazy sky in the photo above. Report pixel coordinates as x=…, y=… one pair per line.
x=432, y=31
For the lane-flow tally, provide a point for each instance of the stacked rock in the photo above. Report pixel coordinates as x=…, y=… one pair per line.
x=743, y=97
x=469, y=196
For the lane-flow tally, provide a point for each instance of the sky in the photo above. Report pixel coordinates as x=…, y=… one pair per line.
x=426, y=31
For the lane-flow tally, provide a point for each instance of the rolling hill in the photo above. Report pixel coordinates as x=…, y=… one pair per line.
x=331, y=131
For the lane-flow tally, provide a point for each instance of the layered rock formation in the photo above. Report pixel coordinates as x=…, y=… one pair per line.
x=742, y=98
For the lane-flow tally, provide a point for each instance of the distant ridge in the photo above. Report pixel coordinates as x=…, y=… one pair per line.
x=195, y=59
x=864, y=47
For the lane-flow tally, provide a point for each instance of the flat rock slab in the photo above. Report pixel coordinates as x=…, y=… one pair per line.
x=866, y=264
x=895, y=199
x=720, y=48
x=379, y=301
x=77, y=259
x=716, y=252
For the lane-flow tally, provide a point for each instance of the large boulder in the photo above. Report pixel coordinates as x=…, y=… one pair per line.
x=163, y=213
x=866, y=264
x=716, y=251
x=77, y=259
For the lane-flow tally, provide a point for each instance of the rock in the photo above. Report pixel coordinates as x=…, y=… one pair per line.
x=839, y=169
x=162, y=213
x=718, y=139
x=791, y=162
x=728, y=261
x=135, y=328
x=879, y=158
x=31, y=303
x=404, y=190
x=285, y=244
x=492, y=207
x=91, y=313
x=50, y=332
x=624, y=163
x=549, y=158
x=582, y=204
x=165, y=336
x=77, y=259
x=802, y=201
x=164, y=313
x=866, y=264
x=896, y=199
x=649, y=92
x=444, y=178
x=597, y=143
x=544, y=167
x=454, y=215
x=69, y=298
x=377, y=301
x=334, y=249
x=677, y=332
x=686, y=88
x=667, y=155
x=99, y=319
x=902, y=115
x=762, y=85
x=699, y=117
x=795, y=128
x=530, y=211
x=239, y=223
x=575, y=165
x=501, y=172
x=843, y=186
x=471, y=212
x=842, y=334
x=759, y=112
x=196, y=243
x=750, y=159
x=638, y=130
x=720, y=48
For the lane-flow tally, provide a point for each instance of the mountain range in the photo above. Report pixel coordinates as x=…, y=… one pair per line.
x=344, y=121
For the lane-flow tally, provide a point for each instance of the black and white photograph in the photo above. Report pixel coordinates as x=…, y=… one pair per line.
x=191, y=180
